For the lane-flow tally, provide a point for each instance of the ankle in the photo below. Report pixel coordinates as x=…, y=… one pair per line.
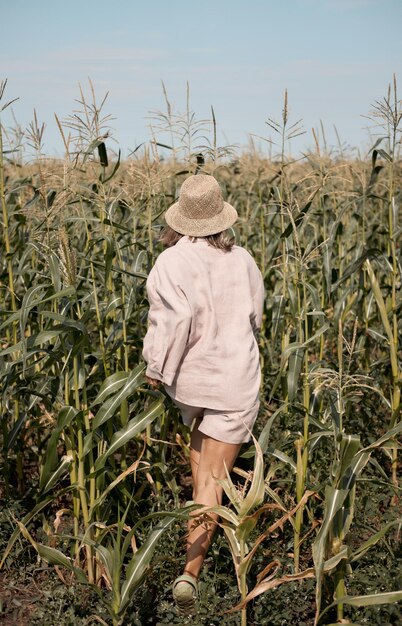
x=188, y=573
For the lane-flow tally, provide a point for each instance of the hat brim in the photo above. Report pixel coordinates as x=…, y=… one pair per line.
x=201, y=227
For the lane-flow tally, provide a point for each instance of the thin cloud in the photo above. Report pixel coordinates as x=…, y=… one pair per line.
x=343, y=5
x=104, y=52
x=96, y=57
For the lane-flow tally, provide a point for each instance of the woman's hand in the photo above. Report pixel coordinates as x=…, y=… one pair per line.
x=153, y=382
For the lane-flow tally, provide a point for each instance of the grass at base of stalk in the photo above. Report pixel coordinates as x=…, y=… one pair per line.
x=36, y=597
x=33, y=594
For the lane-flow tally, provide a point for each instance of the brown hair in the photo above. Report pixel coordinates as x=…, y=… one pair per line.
x=222, y=241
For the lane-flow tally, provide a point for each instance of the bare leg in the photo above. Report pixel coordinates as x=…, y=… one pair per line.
x=208, y=458
x=195, y=448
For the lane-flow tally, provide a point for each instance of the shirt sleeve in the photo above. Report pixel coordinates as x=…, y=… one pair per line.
x=258, y=303
x=169, y=321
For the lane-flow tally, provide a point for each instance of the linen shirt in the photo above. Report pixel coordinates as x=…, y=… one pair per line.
x=205, y=312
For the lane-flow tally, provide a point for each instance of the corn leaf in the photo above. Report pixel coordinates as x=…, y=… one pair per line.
x=51, y=458
x=111, y=405
x=110, y=386
x=53, y=556
x=255, y=494
x=140, y=562
x=54, y=478
x=375, y=538
x=388, y=597
x=132, y=428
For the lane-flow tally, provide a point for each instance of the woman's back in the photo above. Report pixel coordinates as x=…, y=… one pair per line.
x=210, y=310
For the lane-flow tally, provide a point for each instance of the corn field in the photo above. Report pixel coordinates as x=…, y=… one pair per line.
x=99, y=460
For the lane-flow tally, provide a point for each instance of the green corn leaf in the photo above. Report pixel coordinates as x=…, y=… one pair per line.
x=263, y=439
x=133, y=467
x=336, y=417
x=375, y=538
x=282, y=456
x=246, y=527
x=388, y=597
x=109, y=255
x=91, y=439
x=379, y=467
x=119, y=270
x=29, y=300
x=115, y=168
x=351, y=464
x=116, y=225
x=298, y=219
x=327, y=269
x=349, y=445
x=102, y=154
x=345, y=623
x=390, y=434
x=28, y=518
x=51, y=459
x=54, y=478
x=40, y=392
x=378, y=336
x=322, y=433
x=334, y=499
x=278, y=317
x=354, y=267
x=13, y=434
x=255, y=494
x=111, y=405
x=294, y=369
x=180, y=515
x=36, y=197
x=114, y=303
x=132, y=428
x=34, y=340
x=53, y=556
x=54, y=268
x=92, y=147
x=384, y=317
x=139, y=261
x=64, y=293
x=110, y=386
x=230, y=490
x=106, y=555
x=377, y=143
x=276, y=498
x=14, y=317
x=25, y=520
x=235, y=547
x=297, y=345
x=223, y=512
x=384, y=154
x=140, y=562
x=348, y=479
x=25, y=306
x=315, y=299
x=330, y=564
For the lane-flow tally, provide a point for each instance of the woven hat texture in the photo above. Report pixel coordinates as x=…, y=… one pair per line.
x=200, y=209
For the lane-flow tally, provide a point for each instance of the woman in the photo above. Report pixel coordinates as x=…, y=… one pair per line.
x=206, y=298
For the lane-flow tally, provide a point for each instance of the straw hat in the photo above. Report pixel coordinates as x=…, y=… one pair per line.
x=200, y=210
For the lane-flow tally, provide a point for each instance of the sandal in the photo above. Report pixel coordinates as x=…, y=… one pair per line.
x=185, y=593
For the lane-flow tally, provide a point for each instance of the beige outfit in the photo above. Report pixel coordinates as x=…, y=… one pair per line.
x=228, y=426
x=205, y=311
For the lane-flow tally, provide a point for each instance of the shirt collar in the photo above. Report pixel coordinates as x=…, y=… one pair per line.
x=187, y=239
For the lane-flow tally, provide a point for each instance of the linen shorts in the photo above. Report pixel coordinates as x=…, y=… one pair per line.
x=226, y=426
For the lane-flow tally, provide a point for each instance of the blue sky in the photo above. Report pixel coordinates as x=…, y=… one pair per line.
x=335, y=57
